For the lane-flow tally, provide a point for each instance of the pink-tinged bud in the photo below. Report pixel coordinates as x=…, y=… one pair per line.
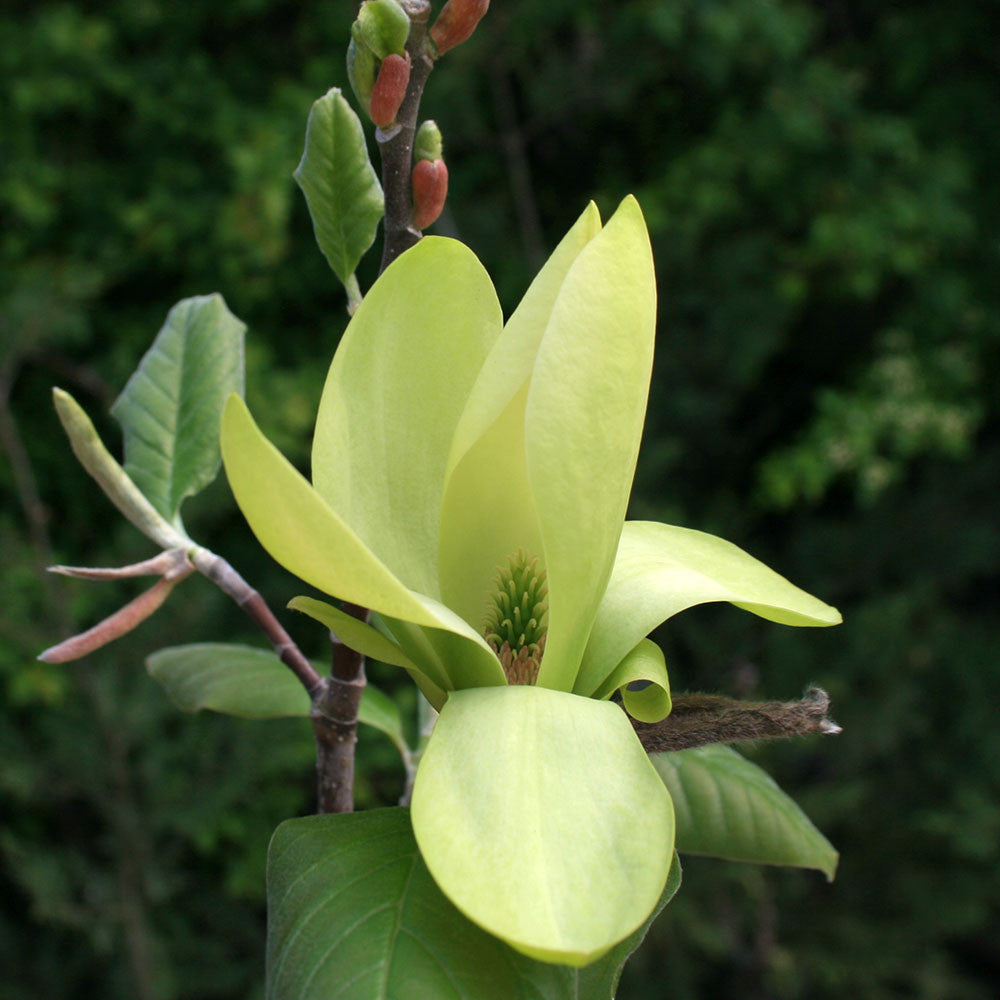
x=430, y=188
x=456, y=22
x=389, y=89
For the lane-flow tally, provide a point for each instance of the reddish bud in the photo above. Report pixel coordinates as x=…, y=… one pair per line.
x=456, y=22
x=389, y=89
x=430, y=188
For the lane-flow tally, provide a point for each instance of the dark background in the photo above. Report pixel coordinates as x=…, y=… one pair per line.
x=820, y=184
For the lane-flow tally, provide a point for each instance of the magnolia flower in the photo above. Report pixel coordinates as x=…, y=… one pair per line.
x=470, y=482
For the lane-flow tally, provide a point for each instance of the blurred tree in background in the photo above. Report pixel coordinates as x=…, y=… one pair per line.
x=817, y=180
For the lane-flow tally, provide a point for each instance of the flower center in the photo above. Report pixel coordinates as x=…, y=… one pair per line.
x=517, y=617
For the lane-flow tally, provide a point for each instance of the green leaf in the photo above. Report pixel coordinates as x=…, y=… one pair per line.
x=299, y=530
x=661, y=570
x=727, y=807
x=354, y=913
x=110, y=476
x=235, y=680
x=583, y=421
x=171, y=406
x=541, y=818
x=339, y=182
x=253, y=684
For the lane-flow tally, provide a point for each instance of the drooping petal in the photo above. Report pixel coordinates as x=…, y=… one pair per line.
x=299, y=530
x=396, y=388
x=662, y=569
x=541, y=818
x=583, y=422
x=650, y=702
x=488, y=512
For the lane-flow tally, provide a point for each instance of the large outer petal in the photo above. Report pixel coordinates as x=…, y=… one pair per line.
x=583, y=422
x=395, y=391
x=291, y=521
x=662, y=569
x=488, y=512
x=540, y=816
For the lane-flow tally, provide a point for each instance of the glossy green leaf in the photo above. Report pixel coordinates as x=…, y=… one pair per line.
x=661, y=570
x=111, y=477
x=340, y=184
x=583, y=422
x=353, y=913
x=252, y=683
x=541, y=819
x=301, y=532
x=645, y=664
x=393, y=395
x=171, y=406
x=728, y=807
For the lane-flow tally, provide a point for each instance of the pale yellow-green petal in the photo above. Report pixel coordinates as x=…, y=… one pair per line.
x=644, y=663
x=364, y=639
x=540, y=816
x=509, y=364
x=301, y=532
x=393, y=396
x=488, y=512
x=584, y=420
x=662, y=569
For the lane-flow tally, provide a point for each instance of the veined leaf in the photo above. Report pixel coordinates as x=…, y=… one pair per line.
x=727, y=807
x=253, y=683
x=354, y=913
x=341, y=188
x=171, y=407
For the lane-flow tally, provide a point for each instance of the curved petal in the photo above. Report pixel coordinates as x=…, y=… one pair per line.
x=488, y=512
x=662, y=569
x=541, y=818
x=302, y=533
x=394, y=393
x=644, y=665
x=583, y=422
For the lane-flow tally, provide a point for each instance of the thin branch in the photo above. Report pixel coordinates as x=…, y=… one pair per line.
x=396, y=144
x=700, y=719
x=335, y=723
x=219, y=571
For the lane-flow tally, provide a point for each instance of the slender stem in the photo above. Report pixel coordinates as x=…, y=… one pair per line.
x=396, y=144
x=699, y=719
x=335, y=723
x=230, y=582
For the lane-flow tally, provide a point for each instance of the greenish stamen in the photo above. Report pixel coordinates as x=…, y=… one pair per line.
x=517, y=618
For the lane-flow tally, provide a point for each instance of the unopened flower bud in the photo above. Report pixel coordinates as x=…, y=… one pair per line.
x=389, y=89
x=430, y=188
x=361, y=66
x=456, y=22
x=383, y=26
x=427, y=142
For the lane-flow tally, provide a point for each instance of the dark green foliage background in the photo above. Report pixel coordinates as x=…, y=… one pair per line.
x=817, y=180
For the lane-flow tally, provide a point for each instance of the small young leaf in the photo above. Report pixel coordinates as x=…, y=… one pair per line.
x=354, y=913
x=341, y=188
x=254, y=684
x=171, y=407
x=727, y=807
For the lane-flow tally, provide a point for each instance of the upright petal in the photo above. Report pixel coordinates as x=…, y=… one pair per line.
x=488, y=512
x=396, y=388
x=584, y=419
x=291, y=521
x=662, y=569
x=540, y=816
